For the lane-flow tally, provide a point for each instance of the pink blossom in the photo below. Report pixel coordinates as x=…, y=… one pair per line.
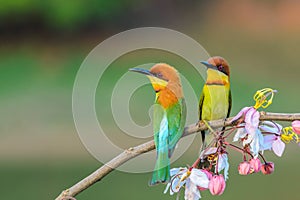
x=255, y=164
x=198, y=178
x=244, y=168
x=274, y=142
x=296, y=126
x=267, y=168
x=217, y=185
x=251, y=118
x=191, y=179
x=251, y=133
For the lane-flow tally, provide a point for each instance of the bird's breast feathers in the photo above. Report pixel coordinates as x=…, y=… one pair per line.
x=166, y=98
x=216, y=78
x=216, y=104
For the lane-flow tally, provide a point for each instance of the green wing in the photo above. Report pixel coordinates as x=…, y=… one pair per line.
x=229, y=103
x=201, y=105
x=158, y=114
x=176, y=115
x=200, y=113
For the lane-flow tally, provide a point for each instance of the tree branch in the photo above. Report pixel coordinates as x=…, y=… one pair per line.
x=149, y=146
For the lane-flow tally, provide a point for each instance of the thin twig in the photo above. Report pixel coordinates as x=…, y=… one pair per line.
x=149, y=146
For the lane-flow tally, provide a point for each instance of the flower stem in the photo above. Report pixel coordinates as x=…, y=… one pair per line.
x=232, y=130
x=243, y=151
x=196, y=163
x=262, y=157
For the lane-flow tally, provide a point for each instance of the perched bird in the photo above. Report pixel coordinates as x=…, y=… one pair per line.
x=169, y=116
x=215, y=99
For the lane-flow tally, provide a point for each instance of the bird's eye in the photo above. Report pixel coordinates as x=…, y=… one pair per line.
x=220, y=68
x=159, y=75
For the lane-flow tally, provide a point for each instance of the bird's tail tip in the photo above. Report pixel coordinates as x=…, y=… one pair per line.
x=156, y=182
x=160, y=176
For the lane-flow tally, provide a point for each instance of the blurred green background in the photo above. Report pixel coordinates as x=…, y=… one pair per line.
x=43, y=43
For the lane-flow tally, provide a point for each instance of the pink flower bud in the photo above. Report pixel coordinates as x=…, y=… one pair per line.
x=255, y=164
x=296, y=126
x=244, y=168
x=217, y=185
x=267, y=168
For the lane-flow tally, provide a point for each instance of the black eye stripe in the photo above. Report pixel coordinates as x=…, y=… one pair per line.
x=160, y=75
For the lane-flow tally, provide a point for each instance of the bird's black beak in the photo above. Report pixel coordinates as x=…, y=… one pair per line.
x=208, y=65
x=141, y=71
x=153, y=78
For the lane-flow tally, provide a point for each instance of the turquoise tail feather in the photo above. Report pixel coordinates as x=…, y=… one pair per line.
x=161, y=171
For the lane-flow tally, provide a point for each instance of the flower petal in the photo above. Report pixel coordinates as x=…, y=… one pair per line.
x=199, y=178
x=252, y=120
x=167, y=188
x=250, y=115
x=250, y=129
x=268, y=142
x=223, y=164
x=176, y=185
x=175, y=171
x=256, y=143
x=211, y=150
x=272, y=127
x=191, y=191
x=241, y=133
x=278, y=147
x=241, y=113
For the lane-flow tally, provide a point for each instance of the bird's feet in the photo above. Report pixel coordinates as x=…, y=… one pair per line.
x=208, y=126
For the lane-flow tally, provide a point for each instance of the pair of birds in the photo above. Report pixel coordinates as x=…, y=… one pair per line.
x=169, y=118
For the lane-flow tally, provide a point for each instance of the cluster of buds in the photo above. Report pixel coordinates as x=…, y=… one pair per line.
x=210, y=170
x=255, y=166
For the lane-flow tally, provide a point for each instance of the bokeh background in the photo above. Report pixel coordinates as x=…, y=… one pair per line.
x=43, y=43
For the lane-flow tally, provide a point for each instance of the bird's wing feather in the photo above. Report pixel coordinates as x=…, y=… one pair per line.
x=202, y=96
x=161, y=172
x=201, y=104
x=176, y=119
x=158, y=115
x=229, y=103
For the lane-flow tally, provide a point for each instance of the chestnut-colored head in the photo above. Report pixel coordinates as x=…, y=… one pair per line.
x=218, y=63
x=165, y=81
x=165, y=72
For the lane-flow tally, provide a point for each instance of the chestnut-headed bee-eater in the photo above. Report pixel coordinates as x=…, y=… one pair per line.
x=168, y=118
x=215, y=100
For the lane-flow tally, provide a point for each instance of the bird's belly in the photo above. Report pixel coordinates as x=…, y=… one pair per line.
x=215, y=105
